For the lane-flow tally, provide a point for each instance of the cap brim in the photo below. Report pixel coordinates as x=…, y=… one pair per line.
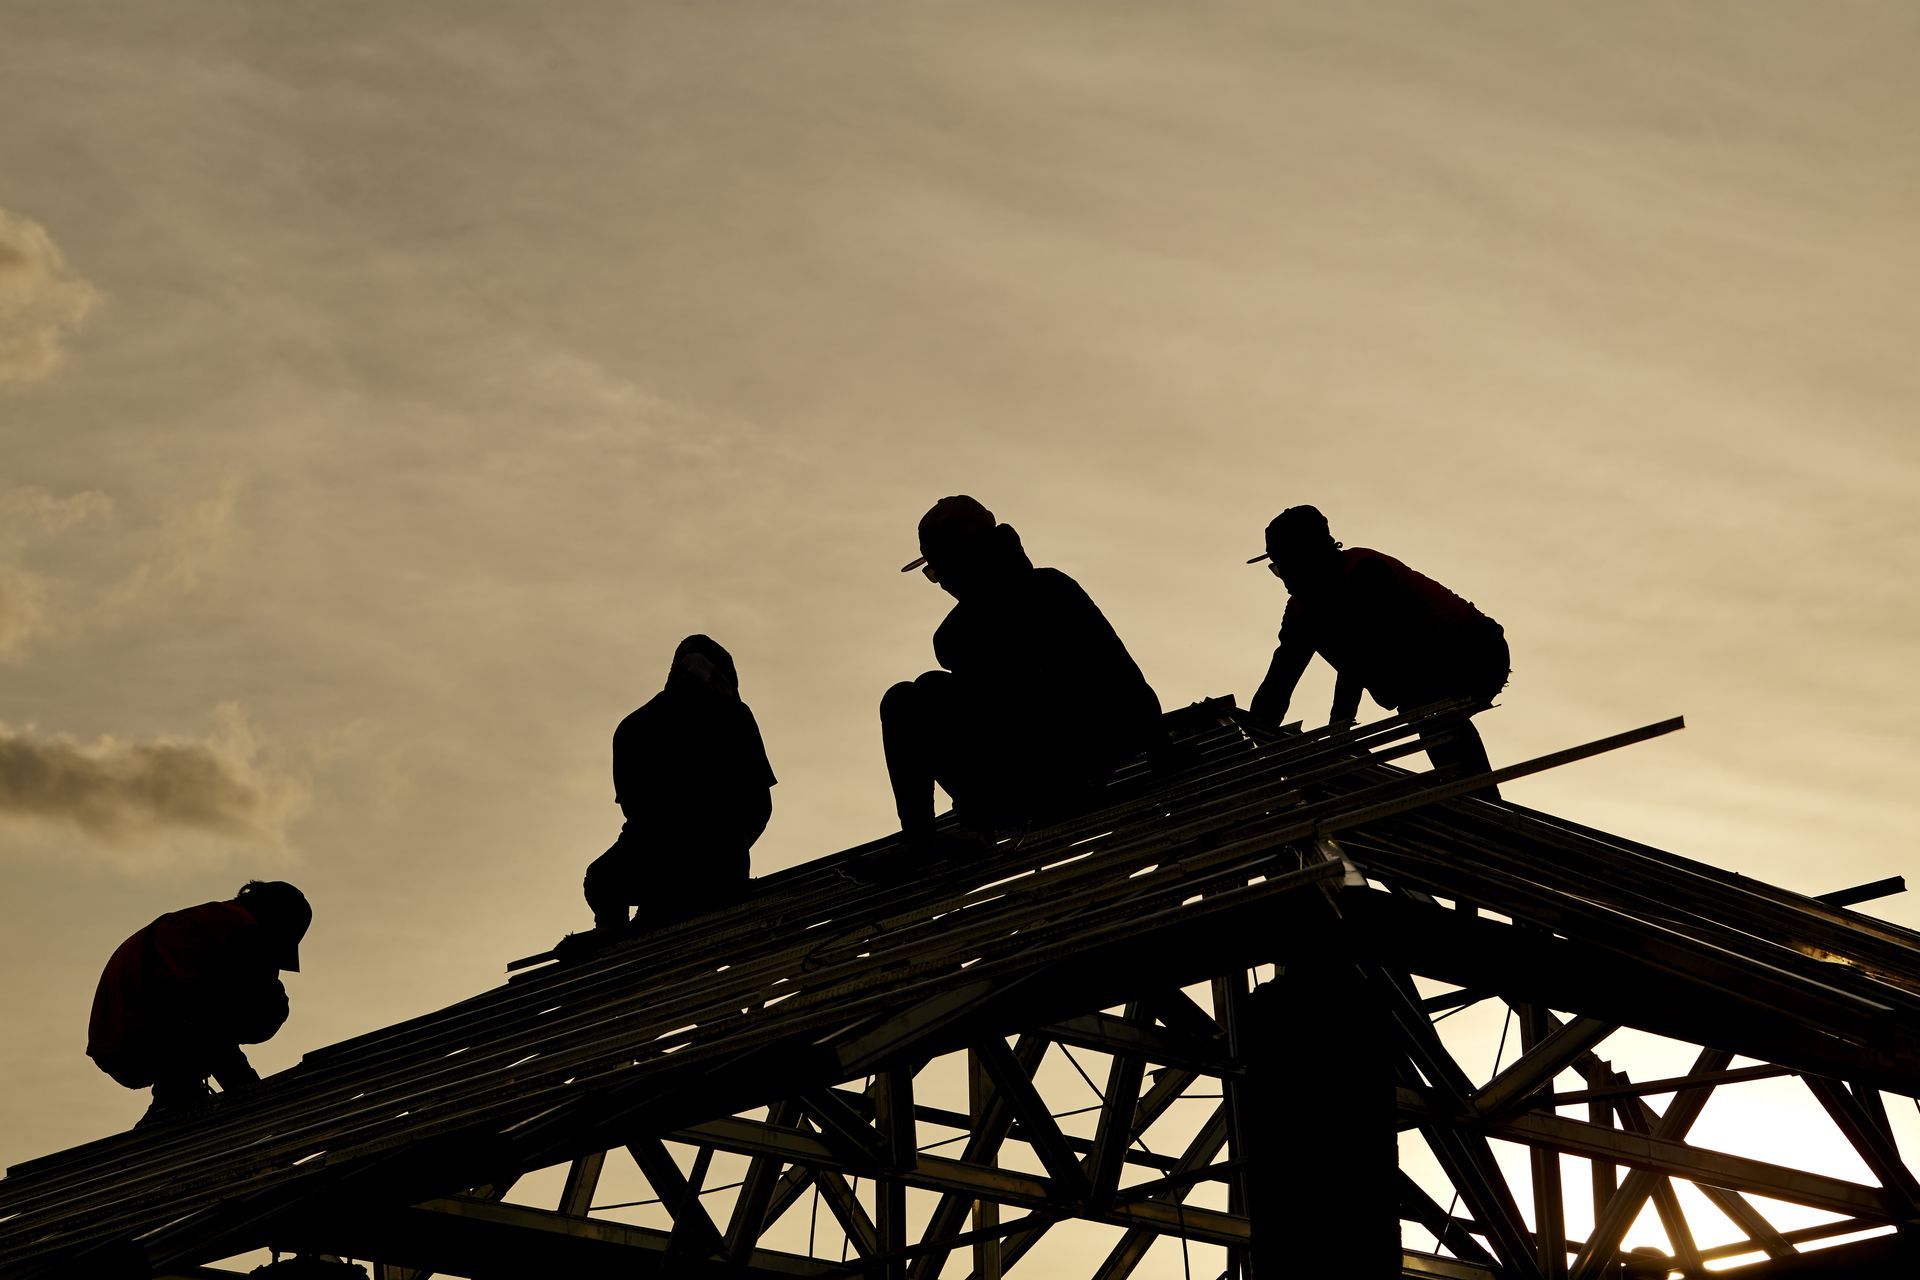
x=1264, y=555
x=909, y=568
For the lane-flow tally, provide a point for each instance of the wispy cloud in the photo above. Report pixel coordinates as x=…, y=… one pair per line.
x=27, y=515
x=37, y=603
x=189, y=540
x=23, y=611
x=141, y=794
x=42, y=302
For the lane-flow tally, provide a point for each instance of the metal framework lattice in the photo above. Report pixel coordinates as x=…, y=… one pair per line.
x=1199, y=1019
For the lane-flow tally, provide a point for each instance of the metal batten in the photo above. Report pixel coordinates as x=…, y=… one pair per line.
x=826, y=976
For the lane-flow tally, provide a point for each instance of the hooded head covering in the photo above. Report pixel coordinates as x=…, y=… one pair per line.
x=699, y=661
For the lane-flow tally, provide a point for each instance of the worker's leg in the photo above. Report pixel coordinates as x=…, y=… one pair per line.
x=1457, y=745
x=932, y=731
x=693, y=873
x=1478, y=670
x=228, y=1065
x=610, y=884
x=907, y=727
x=179, y=1080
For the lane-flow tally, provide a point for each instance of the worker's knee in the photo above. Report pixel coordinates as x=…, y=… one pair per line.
x=602, y=881
x=898, y=702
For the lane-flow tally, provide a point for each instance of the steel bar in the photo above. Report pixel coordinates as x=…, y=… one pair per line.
x=820, y=972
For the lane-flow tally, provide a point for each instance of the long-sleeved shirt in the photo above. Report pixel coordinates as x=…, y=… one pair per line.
x=203, y=972
x=1383, y=627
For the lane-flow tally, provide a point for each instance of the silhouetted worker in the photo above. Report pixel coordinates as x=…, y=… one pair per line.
x=179, y=998
x=1039, y=700
x=691, y=775
x=1397, y=634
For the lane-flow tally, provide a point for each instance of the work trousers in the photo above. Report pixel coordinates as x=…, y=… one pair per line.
x=1002, y=761
x=192, y=1039
x=667, y=876
x=1477, y=671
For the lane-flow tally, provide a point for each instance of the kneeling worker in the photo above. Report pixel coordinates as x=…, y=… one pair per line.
x=691, y=776
x=179, y=998
x=1039, y=700
x=1385, y=629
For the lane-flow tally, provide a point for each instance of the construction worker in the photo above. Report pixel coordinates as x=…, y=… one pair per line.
x=1385, y=629
x=178, y=998
x=691, y=776
x=1039, y=699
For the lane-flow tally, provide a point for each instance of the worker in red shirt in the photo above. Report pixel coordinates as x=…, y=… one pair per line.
x=1385, y=630
x=179, y=998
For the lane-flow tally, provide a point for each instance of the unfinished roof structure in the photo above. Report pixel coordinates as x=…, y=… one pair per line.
x=1251, y=961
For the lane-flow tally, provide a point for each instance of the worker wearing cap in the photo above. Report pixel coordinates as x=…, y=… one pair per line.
x=1038, y=700
x=691, y=777
x=178, y=998
x=1384, y=629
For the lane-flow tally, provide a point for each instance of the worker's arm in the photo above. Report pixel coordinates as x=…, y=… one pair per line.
x=256, y=1006
x=756, y=809
x=756, y=778
x=1346, y=699
x=1290, y=660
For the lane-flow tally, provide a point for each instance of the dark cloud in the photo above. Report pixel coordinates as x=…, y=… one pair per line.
x=124, y=792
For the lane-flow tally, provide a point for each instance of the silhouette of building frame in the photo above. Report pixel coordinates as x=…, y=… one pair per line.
x=1212, y=934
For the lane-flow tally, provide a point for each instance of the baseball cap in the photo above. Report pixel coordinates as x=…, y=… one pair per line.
x=950, y=523
x=1293, y=527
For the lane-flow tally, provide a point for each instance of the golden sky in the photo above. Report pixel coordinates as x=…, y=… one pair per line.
x=385, y=389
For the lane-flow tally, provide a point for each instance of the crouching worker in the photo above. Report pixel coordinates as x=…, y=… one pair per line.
x=179, y=998
x=1385, y=630
x=691, y=775
x=1039, y=700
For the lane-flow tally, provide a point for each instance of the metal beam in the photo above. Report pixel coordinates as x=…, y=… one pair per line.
x=465, y=1236
x=757, y=1189
x=679, y=1195
x=1012, y=1082
x=1132, y=1247
x=1539, y=1064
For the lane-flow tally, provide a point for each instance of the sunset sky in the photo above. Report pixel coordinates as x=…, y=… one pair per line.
x=385, y=389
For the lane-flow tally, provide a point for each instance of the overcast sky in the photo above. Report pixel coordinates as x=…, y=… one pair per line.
x=385, y=389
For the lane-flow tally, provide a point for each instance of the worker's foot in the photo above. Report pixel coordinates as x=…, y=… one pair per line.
x=237, y=1078
x=174, y=1100
x=577, y=948
x=909, y=858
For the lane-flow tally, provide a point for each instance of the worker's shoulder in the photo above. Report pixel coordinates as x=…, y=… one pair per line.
x=226, y=914
x=1368, y=558
x=1056, y=583
x=647, y=714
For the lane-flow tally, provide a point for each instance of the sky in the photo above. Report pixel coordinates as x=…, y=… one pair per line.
x=385, y=390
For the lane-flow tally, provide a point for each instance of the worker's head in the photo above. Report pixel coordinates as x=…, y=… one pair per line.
x=951, y=531
x=700, y=662
x=1299, y=546
x=283, y=913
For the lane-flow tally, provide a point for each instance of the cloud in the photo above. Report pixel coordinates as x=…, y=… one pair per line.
x=27, y=514
x=189, y=539
x=33, y=509
x=177, y=551
x=42, y=303
x=124, y=794
x=23, y=611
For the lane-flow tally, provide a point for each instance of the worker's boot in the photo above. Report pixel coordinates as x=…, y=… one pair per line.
x=176, y=1098
x=236, y=1076
x=576, y=948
